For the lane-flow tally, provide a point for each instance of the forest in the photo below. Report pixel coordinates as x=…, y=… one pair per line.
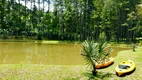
x=71, y=20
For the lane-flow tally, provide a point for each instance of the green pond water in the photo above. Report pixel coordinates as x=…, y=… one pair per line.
x=41, y=53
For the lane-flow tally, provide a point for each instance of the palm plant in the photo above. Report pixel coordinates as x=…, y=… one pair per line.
x=94, y=53
x=89, y=49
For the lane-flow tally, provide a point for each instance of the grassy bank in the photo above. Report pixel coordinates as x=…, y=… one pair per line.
x=41, y=41
x=79, y=72
x=123, y=56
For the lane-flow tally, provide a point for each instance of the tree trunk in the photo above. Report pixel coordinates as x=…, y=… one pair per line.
x=94, y=72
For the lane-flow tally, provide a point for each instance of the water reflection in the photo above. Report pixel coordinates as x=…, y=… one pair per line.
x=38, y=53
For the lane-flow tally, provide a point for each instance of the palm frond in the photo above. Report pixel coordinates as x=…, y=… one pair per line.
x=94, y=52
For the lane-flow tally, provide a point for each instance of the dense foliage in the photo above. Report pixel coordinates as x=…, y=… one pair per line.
x=75, y=20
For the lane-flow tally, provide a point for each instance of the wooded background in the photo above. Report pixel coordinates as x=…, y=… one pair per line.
x=72, y=20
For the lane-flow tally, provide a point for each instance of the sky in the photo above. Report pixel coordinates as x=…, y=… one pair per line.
x=28, y=4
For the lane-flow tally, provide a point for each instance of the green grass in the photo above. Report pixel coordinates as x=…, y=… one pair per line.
x=40, y=72
x=41, y=41
x=123, y=56
x=78, y=72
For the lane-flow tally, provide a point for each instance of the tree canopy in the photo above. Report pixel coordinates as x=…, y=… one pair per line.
x=73, y=20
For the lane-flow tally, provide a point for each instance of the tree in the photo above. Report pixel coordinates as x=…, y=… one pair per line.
x=94, y=52
x=108, y=17
x=72, y=19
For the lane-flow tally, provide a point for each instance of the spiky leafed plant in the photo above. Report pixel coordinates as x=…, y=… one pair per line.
x=93, y=53
x=89, y=49
x=103, y=52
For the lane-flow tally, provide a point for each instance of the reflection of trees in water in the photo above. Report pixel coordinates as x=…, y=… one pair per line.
x=5, y=59
x=33, y=53
x=28, y=55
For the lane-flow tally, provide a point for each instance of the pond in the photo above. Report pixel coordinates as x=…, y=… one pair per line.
x=41, y=53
